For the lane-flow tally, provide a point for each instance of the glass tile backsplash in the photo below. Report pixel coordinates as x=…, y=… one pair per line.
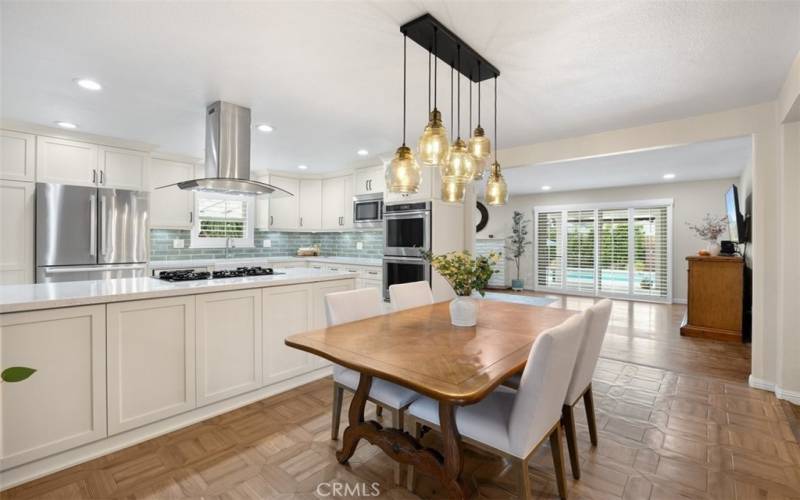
x=282, y=244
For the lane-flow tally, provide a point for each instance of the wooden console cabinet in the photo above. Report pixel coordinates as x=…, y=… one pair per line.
x=715, y=298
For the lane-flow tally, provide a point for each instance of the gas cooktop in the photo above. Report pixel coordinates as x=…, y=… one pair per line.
x=192, y=275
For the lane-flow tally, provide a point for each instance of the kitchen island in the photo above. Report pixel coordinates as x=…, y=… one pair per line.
x=122, y=361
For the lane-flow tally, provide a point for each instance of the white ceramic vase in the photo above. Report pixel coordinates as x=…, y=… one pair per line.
x=713, y=248
x=464, y=311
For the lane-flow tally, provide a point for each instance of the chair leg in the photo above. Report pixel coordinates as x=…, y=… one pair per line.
x=588, y=402
x=336, y=414
x=397, y=423
x=523, y=480
x=568, y=419
x=558, y=461
x=417, y=435
x=378, y=411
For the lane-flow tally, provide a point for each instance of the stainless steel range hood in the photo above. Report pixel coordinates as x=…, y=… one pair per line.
x=228, y=155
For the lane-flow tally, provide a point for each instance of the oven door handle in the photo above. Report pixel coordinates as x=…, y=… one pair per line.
x=417, y=214
x=406, y=259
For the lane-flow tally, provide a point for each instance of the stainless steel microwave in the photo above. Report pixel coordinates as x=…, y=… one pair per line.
x=368, y=210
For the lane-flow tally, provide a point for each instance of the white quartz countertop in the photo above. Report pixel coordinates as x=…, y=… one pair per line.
x=263, y=261
x=16, y=298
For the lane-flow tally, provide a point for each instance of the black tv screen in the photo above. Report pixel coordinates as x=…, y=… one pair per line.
x=735, y=219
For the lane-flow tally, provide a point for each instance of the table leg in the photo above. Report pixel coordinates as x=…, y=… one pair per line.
x=453, y=454
x=355, y=419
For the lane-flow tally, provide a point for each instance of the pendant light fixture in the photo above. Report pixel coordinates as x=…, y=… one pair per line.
x=496, y=187
x=459, y=167
x=479, y=146
x=403, y=172
x=433, y=143
x=453, y=190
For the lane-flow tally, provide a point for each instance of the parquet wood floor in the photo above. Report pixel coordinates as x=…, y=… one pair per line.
x=670, y=427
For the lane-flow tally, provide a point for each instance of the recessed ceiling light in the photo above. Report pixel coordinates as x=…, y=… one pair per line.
x=362, y=152
x=546, y=188
x=669, y=176
x=66, y=125
x=264, y=128
x=302, y=167
x=88, y=84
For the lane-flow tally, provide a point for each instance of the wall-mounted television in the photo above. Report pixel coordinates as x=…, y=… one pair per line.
x=736, y=226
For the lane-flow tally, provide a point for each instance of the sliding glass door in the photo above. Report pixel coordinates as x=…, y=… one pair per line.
x=606, y=251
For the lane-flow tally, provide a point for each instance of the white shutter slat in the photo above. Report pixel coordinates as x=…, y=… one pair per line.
x=613, y=271
x=548, y=250
x=580, y=251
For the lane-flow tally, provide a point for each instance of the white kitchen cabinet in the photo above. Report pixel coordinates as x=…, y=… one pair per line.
x=310, y=204
x=170, y=208
x=286, y=310
x=63, y=404
x=370, y=283
x=349, y=185
x=429, y=189
x=228, y=344
x=262, y=206
x=123, y=169
x=17, y=156
x=370, y=180
x=151, y=360
x=333, y=202
x=284, y=212
x=17, y=211
x=63, y=161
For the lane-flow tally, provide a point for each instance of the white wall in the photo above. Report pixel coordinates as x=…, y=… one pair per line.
x=691, y=201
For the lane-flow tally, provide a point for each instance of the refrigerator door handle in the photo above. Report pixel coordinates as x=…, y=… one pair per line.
x=93, y=225
x=103, y=228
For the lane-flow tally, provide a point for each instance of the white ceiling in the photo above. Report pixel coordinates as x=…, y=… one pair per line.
x=692, y=162
x=327, y=75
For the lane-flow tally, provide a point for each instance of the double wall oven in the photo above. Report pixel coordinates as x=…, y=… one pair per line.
x=407, y=231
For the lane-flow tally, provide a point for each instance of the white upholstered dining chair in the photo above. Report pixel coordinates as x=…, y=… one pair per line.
x=408, y=295
x=354, y=305
x=514, y=423
x=580, y=385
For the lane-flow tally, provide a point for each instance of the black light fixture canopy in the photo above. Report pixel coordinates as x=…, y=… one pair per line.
x=471, y=64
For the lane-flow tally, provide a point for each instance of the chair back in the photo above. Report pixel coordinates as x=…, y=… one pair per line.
x=543, y=385
x=408, y=295
x=589, y=351
x=352, y=305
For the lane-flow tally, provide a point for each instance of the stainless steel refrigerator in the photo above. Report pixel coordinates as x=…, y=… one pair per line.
x=87, y=233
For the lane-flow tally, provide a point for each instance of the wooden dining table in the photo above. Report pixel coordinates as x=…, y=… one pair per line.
x=419, y=349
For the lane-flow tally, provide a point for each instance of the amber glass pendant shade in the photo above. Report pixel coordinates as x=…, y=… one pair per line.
x=433, y=144
x=403, y=174
x=496, y=188
x=460, y=166
x=453, y=192
x=479, y=146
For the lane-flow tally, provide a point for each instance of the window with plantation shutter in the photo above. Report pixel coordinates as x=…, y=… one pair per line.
x=549, y=245
x=613, y=275
x=615, y=250
x=222, y=220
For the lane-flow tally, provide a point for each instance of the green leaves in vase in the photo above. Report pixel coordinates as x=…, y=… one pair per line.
x=16, y=373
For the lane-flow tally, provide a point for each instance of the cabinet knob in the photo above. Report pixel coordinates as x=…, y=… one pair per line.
x=301, y=222
x=191, y=216
x=94, y=176
x=270, y=220
x=102, y=180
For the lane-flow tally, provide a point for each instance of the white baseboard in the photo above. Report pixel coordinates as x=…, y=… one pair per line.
x=679, y=301
x=54, y=463
x=785, y=394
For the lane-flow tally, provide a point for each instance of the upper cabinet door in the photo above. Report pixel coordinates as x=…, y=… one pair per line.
x=170, y=208
x=262, y=207
x=123, y=169
x=370, y=180
x=333, y=211
x=284, y=212
x=348, y=201
x=310, y=204
x=17, y=159
x=17, y=211
x=66, y=162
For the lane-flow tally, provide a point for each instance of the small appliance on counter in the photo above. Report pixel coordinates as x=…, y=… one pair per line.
x=308, y=251
x=198, y=274
x=90, y=233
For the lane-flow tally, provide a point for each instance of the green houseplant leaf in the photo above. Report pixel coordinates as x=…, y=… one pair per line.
x=17, y=373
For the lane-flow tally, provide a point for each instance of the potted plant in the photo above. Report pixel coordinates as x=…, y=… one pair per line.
x=465, y=274
x=516, y=245
x=710, y=230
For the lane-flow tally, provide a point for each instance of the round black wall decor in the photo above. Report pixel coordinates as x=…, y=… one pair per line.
x=484, y=217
